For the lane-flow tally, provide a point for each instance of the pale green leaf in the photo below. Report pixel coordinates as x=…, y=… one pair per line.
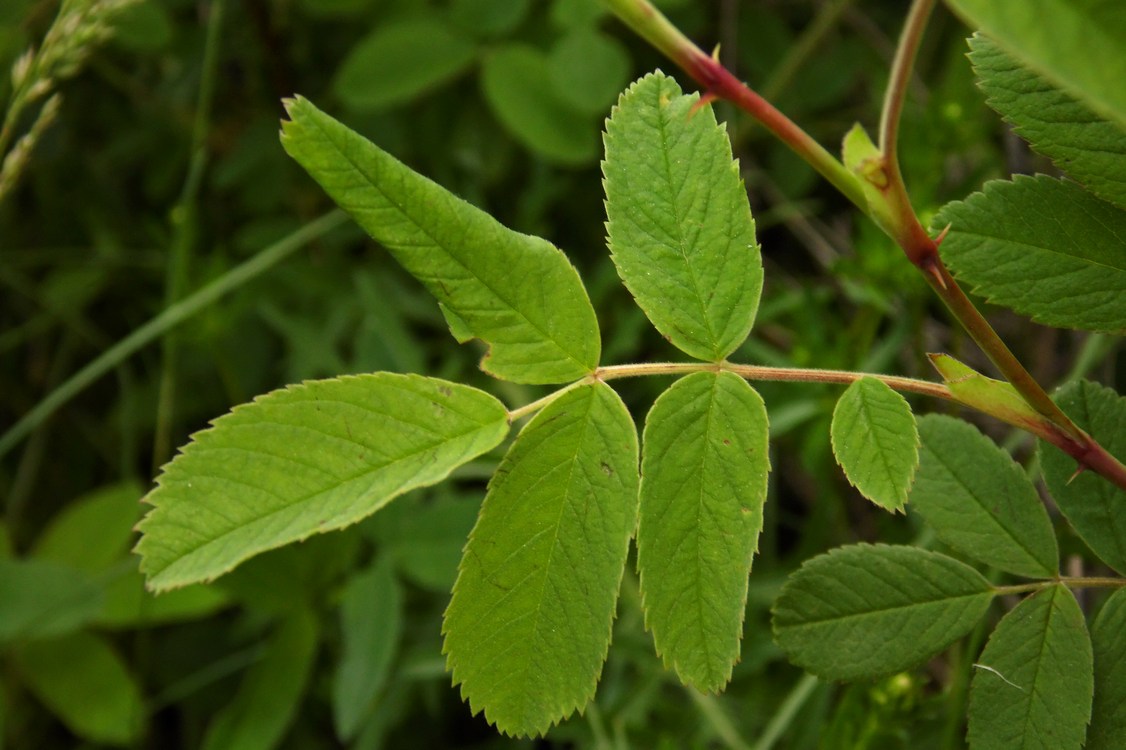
x=1032, y=684
x=1088, y=147
x=1077, y=44
x=94, y=531
x=400, y=60
x=270, y=692
x=867, y=611
x=40, y=599
x=996, y=397
x=980, y=502
x=680, y=226
x=519, y=294
x=704, y=466
x=87, y=685
x=1108, y=643
x=1043, y=247
x=588, y=69
x=515, y=80
x=1095, y=508
x=529, y=624
x=876, y=442
x=371, y=624
x=304, y=460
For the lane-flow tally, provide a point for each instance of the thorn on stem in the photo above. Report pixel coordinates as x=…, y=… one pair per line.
x=929, y=267
x=942, y=235
x=704, y=100
x=1079, y=469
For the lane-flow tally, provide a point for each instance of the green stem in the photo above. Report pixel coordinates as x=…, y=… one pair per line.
x=785, y=714
x=718, y=82
x=720, y=723
x=1072, y=582
x=183, y=216
x=166, y=321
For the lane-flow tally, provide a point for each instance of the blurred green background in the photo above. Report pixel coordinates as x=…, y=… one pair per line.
x=161, y=173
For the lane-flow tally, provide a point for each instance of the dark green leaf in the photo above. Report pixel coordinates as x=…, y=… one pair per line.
x=40, y=599
x=529, y=624
x=980, y=502
x=680, y=226
x=704, y=467
x=1086, y=146
x=1094, y=506
x=371, y=623
x=867, y=611
x=488, y=17
x=1043, y=247
x=307, y=459
x=400, y=60
x=876, y=442
x=86, y=684
x=515, y=292
x=268, y=697
x=516, y=79
x=588, y=69
x=1108, y=642
x=1077, y=44
x=1033, y=682
x=111, y=511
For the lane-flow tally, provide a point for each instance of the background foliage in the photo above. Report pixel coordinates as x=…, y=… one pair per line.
x=162, y=171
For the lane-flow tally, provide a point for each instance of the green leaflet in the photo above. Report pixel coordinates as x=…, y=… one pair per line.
x=371, y=623
x=980, y=502
x=1108, y=642
x=411, y=57
x=307, y=459
x=680, y=226
x=112, y=510
x=517, y=293
x=1077, y=44
x=704, y=466
x=1080, y=142
x=589, y=69
x=515, y=79
x=1095, y=508
x=1032, y=685
x=41, y=599
x=529, y=624
x=267, y=699
x=876, y=442
x=867, y=611
x=1043, y=247
x=87, y=685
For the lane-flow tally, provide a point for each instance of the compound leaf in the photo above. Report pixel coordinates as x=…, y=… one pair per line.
x=876, y=442
x=411, y=56
x=1108, y=642
x=307, y=459
x=1043, y=247
x=1076, y=44
x=704, y=466
x=680, y=226
x=1094, y=507
x=980, y=502
x=867, y=611
x=517, y=293
x=1033, y=682
x=529, y=624
x=1087, y=146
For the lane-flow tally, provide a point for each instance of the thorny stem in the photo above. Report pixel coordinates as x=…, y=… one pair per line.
x=902, y=223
